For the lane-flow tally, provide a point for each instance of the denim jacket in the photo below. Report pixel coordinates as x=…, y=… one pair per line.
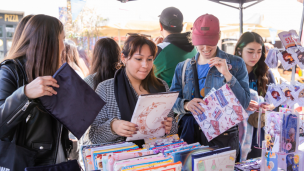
x=239, y=83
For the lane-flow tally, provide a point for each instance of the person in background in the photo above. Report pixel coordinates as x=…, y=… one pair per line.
x=174, y=48
x=18, y=31
x=38, y=54
x=70, y=55
x=210, y=68
x=251, y=48
x=135, y=77
x=106, y=56
x=83, y=55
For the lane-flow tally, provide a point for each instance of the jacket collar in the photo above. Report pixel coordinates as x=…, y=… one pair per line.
x=219, y=53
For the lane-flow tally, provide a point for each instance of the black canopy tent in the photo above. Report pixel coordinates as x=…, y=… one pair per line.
x=240, y=7
x=124, y=1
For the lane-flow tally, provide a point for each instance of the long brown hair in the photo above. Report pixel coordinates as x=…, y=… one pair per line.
x=70, y=54
x=260, y=69
x=134, y=43
x=19, y=30
x=39, y=43
x=105, y=56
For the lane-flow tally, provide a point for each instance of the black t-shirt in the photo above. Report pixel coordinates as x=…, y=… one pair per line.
x=253, y=80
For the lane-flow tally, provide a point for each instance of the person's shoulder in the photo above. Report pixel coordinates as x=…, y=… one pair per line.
x=163, y=45
x=164, y=83
x=235, y=60
x=108, y=82
x=89, y=77
x=224, y=54
x=234, y=57
x=9, y=69
x=105, y=86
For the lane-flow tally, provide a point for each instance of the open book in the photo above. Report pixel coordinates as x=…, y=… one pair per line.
x=150, y=111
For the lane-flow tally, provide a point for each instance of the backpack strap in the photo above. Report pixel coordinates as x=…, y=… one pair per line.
x=183, y=73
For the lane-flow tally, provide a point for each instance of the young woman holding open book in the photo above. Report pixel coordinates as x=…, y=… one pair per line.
x=135, y=77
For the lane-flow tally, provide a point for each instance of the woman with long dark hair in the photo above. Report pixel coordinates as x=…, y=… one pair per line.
x=251, y=48
x=37, y=58
x=105, y=56
x=135, y=77
x=18, y=31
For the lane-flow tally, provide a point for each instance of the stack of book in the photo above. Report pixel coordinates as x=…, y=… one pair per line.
x=157, y=154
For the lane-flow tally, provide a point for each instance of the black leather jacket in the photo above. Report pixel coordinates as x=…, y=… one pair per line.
x=42, y=131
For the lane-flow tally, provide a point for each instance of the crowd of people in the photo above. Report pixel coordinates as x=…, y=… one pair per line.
x=190, y=63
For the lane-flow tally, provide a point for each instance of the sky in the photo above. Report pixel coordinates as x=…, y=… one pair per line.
x=280, y=14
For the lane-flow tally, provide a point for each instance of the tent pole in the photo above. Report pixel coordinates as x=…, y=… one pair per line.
x=241, y=17
x=302, y=20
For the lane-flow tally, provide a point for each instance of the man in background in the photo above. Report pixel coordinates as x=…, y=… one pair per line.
x=173, y=46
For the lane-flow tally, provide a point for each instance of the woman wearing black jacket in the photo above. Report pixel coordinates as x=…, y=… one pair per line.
x=37, y=54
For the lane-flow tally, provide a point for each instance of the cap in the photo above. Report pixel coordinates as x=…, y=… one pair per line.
x=206, y=30
x=171, y=17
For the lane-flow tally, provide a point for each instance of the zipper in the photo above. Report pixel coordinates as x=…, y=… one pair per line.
x=19, y=111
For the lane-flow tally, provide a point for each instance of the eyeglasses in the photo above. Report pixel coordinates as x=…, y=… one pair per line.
x=137, y=34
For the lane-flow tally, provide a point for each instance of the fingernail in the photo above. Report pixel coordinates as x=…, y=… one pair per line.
x=137, y=129
x=162, y=122
x=165, y=118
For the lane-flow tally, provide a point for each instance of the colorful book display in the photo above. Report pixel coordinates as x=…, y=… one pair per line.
x=160, y=154
x=282, y=141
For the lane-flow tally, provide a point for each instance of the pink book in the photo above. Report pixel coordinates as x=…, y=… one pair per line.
x=119, y=164
x=124, y=156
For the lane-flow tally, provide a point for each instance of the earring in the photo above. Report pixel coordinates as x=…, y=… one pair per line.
x=240, y=53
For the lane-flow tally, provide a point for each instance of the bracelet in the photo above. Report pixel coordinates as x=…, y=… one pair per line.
x=113, y=132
